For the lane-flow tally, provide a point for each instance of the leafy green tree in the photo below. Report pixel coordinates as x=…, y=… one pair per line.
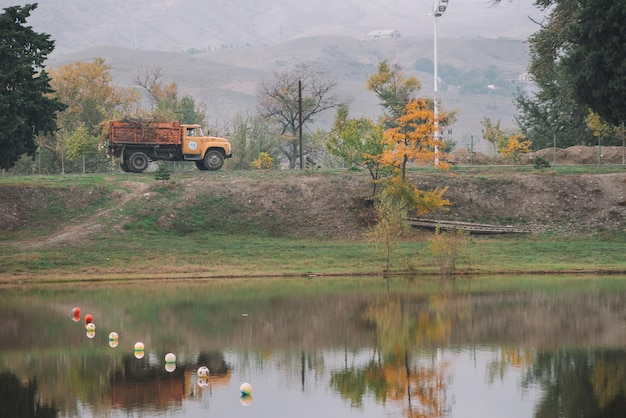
x=81, y=143
x=251, y=136
x=359, y=142
x=577, y=63
x=492, y=133
x=550, y=114
x=26, y=107
x=552, y=111
x=595, y=55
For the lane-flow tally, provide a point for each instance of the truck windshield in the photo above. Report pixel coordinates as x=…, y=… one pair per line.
x=200, y=133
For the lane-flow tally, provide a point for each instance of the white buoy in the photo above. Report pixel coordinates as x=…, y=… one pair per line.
x=246, y=389
x=203, y=371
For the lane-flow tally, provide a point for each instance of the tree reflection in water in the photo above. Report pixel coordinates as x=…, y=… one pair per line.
x=396, y=372
x=17, y=400
x=580, y=383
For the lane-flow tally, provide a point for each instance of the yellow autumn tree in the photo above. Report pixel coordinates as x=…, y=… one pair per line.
x=91, y=97
x=412, y=138
x=602, y=129
x=88, y=90
x=419, y=386
x=514, y=146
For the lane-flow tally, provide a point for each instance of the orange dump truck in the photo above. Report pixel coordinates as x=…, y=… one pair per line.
x=138, y=143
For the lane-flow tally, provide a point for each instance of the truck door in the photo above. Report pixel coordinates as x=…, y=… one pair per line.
x=190, y=142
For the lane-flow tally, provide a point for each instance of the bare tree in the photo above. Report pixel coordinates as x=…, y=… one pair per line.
x=279, y=102
x=150, y=79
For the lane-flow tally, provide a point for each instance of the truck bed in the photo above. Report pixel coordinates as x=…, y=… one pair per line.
x=151, y=133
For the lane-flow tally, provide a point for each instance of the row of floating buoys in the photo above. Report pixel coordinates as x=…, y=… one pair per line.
x=170, y=358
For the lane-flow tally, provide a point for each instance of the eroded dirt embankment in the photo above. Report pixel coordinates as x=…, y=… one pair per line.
x=326, y=205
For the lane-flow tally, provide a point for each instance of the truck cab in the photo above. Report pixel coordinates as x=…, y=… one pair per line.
x=209, y=152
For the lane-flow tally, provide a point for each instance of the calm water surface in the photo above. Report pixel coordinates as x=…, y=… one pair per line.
x=318, y=347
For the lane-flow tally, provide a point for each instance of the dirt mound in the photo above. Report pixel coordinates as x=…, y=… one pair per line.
x=575, y=155
x=539, y=202
x=299, y=206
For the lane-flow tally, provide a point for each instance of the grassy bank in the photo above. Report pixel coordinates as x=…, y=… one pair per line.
x=79, y=228
x=246, y=256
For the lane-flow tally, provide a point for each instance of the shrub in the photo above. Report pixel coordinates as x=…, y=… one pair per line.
x=447, y=248
x=264, y=162
x=541, y=163
x=162, y=173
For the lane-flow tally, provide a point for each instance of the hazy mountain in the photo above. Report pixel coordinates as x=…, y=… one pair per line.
x=175, y=25
x=220, y=51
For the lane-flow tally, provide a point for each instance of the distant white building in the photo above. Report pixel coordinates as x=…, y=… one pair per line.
x=526, y=78
x=382, y=34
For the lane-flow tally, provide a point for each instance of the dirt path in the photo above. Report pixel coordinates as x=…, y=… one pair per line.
x=77, y=232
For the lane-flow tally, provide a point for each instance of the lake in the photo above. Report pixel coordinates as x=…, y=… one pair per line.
x=318, y=346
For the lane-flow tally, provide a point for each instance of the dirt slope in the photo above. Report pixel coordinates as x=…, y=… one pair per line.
x=537, y=202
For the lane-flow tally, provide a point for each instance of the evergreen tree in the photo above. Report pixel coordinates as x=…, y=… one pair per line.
x=26, y=110
x=162, y=173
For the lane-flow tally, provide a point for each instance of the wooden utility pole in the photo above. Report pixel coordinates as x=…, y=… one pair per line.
x=300, y=120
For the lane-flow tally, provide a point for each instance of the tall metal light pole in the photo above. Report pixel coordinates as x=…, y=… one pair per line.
x=439, y=7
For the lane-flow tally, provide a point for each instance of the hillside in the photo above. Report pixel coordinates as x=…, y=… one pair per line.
x=181, y=25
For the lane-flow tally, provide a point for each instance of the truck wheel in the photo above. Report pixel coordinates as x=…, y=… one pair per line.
x=138, y=162
x=200, y=165
x=213, y=160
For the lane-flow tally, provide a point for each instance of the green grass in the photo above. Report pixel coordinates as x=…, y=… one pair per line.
x=151, y=255
x=539, y=253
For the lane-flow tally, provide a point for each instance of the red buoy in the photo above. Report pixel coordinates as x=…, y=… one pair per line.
x=75, y=314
